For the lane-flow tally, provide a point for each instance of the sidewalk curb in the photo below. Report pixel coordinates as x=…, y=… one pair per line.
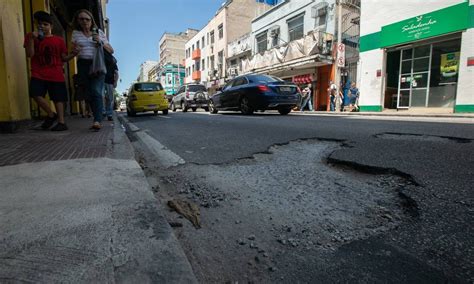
x=120, y=145
x=382, y=114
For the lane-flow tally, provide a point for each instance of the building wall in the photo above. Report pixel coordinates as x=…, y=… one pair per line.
x=14, y=105
x=145, y=68
x=278, y=16
x=374, y=15
x=172, y=47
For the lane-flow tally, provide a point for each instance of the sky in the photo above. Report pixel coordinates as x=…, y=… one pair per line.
x=136, y=27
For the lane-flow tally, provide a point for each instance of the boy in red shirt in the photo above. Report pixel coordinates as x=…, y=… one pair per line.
x=48, y=54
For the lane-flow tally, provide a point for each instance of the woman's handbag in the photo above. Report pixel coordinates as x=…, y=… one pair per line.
x=98, y=63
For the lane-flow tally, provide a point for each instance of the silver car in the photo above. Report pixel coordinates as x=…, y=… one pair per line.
x=190, y=96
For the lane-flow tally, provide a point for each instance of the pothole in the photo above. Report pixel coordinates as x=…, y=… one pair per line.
x=421, y=137
x=291, y=186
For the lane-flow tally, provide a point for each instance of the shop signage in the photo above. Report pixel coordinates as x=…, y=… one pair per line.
x=449, y=64
x=447, y=20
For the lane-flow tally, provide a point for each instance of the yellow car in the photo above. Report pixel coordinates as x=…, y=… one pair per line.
x=146, y=96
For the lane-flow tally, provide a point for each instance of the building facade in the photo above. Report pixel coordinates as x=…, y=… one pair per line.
x=238, y=51
x=17, y=20
x=145, y=69
x=206, y=52
x=171, y=77
x=171, y=49
x=295, y=41
x=417, y=56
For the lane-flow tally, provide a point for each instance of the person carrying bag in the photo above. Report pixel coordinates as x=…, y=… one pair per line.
x=90, y=64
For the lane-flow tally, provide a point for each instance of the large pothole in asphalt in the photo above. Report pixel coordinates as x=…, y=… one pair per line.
x=275, y=209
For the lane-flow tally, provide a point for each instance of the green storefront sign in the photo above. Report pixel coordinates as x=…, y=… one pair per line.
x=447, y=20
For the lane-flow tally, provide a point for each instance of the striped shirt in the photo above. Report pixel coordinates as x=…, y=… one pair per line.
x=86, y=43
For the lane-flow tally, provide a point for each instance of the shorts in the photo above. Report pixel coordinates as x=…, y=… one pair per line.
x=353, y=100
x=57, y=90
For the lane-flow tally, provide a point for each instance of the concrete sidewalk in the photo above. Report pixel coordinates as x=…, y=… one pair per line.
x=76, y=207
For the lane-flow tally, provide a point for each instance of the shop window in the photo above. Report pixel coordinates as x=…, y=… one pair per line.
x=444, y=73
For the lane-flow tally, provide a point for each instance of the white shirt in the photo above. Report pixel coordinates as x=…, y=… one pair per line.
x=86, y=43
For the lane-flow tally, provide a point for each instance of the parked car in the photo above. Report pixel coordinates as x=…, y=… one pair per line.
x=146, y=96
x=190, y=96
x=123, y=105
x=249, y=93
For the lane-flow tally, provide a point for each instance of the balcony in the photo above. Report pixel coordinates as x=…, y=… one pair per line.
x=196, y=76
x=196, y=54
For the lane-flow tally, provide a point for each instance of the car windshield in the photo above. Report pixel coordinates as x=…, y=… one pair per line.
x=146, y=87
x=264, y=79
x=197, y=88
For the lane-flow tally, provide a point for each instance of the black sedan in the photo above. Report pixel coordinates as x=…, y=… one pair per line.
x=249, y=93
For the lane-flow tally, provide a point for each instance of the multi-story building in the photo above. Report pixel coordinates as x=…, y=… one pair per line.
x=171, y=77
x=238, y=51
x=417, y=56
x=206, y=52
x=294, y=41
x=171, y=50
x=145, y=68
x=153, y=73
x=17, y=20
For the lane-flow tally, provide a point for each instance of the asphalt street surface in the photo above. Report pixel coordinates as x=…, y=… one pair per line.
x=313, y=197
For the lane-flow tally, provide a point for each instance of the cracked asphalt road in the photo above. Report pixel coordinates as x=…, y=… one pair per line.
x=308, y=198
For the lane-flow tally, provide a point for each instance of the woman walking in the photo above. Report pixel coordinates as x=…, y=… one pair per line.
x=87, y=38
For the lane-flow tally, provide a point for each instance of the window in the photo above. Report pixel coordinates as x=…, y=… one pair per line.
x=193, y=48
x=203, y=64
x=221, y=31
x=143, y=87
x=197, y=44
x=212, y=37
x=321, y=19
x=233, y=62
x=212, y=62
x=202, y=42
x=239, y=81
x=196, y=88
x=198, y=67
x=295, y=28
x=264, y=79
x=262, y=42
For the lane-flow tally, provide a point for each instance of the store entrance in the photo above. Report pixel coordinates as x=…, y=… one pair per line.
x=427, y=74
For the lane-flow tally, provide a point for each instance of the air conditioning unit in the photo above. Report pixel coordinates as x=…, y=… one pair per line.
x=274, y=31
x=233, y=71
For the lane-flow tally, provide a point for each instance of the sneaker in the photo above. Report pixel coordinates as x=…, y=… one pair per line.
x=48, y=122
x=95, y=126
x=59, y=127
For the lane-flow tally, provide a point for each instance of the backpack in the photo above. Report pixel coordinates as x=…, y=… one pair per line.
x=110, y=61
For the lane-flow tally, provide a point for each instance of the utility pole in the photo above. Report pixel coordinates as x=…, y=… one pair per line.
x=339, y=41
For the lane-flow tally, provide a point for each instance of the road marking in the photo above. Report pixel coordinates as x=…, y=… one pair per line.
x=163, y=155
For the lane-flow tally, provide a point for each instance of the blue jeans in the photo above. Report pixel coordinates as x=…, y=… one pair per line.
x=308, y=102
x=332, y=105
x=109, y=99
x=94, y=88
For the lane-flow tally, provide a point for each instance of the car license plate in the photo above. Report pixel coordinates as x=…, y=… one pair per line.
x=285, y=89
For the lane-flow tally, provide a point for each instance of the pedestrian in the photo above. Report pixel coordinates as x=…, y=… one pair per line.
x=48, y=53
x=111, y=79
x=87, y=38
x=306, y=98
x=354, y=97
x=332, y=95
x=80, y=96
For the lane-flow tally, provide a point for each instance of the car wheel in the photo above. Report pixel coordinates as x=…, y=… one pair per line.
x=165, y=111
x=184, y=106
x=212, y=107
x=284, y=111
x=206, y=108
x=194, y=109
x=173, y=107
x=155, y=112
x=245, y=106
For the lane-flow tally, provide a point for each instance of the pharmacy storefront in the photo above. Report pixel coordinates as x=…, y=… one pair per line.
x=419, y=62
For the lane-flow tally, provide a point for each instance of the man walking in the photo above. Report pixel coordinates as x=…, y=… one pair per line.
x=307, y=98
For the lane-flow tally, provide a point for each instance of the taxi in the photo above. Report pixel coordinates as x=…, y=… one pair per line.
x=146, y=96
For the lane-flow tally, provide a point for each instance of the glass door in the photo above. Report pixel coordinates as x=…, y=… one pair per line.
x=413, y=84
